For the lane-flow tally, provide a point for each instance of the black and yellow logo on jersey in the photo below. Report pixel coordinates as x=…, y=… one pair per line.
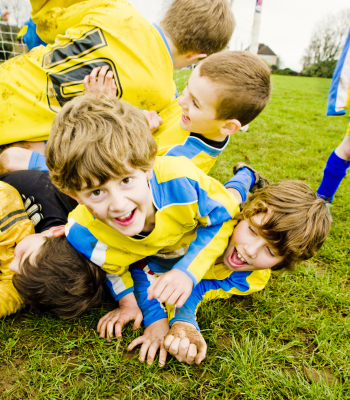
x=65, y=78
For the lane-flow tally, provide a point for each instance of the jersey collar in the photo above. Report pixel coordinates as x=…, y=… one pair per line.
x=165, y=41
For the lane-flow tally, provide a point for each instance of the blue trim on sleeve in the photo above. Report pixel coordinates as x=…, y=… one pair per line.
x=191, y=148
x=82, y=239
x=37, y=162
x=118, y=296
x=165, y=41
x=333, y=90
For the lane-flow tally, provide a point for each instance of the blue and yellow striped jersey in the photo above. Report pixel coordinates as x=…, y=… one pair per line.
x=193, y=218
x=172, y=140
x=34, y=86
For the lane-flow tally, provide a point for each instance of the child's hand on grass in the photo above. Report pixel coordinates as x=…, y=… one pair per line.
x=152, y=340
x=184, y=342
x=114, y=320
x=173, y=287
x=100, y=82
x=154, y=120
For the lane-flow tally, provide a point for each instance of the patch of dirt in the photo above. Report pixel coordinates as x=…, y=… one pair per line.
x=130, y=355
x=224, y=342
x=319, y=376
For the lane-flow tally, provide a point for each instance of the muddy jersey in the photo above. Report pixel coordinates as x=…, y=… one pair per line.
x=34, y=86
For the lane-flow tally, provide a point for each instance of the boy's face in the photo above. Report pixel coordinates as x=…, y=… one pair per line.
x=198, y=102
x=30, y=247
x=124, y=204
x=248, y=251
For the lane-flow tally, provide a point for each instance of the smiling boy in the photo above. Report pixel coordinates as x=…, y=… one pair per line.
x=101, y=152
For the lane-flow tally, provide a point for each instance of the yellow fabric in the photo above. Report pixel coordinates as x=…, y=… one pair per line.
x=12, y=230
x=348, y=131
x=171, y=134
x=34, y=86
x=41, y=7
x=22, y=31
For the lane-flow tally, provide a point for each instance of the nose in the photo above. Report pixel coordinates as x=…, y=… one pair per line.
x=117, y=201
x=251, y=249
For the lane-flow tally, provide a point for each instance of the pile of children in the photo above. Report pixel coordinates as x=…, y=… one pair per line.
x=143, y=215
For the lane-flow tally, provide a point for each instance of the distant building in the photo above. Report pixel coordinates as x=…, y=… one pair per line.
x=267, y=54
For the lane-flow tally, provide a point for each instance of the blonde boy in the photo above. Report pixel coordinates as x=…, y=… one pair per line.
x=133, y=205
x=34, y=86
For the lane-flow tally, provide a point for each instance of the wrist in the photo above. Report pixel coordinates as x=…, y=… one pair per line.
x=128, y=300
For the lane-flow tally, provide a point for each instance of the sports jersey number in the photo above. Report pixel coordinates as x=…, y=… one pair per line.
x=67, y=83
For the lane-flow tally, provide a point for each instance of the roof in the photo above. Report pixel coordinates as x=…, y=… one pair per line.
x=265, y=50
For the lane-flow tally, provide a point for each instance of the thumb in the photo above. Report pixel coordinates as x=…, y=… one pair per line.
x=202, y=351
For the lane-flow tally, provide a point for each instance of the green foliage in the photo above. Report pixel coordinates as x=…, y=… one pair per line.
x=285, y=71
x=322, y=69
x=290, y=341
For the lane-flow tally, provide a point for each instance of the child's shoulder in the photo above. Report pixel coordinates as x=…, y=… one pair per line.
x=167, y=168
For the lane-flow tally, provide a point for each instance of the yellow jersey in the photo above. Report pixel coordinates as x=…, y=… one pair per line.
x=34, y=86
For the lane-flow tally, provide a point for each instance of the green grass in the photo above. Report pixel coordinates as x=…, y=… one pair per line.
x=264, y=346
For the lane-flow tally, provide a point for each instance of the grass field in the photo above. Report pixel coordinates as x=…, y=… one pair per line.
x=291, y=341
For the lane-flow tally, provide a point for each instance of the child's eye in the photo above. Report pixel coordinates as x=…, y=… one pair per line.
x=96, y=193
x=195, y=103
x=252, y=230
x=270, y=251
x=126, y=181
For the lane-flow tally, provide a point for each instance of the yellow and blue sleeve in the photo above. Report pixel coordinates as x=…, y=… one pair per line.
x=236, y=283
x=119, y=278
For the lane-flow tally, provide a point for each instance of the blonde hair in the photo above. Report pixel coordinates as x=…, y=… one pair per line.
x=244, y=84
x=296, y=221
x=97, y=139
x=199, y=26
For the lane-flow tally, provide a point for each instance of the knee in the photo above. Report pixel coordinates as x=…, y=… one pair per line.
x=343, y=150
x=14, y=159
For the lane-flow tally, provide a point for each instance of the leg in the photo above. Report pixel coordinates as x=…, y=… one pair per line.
x=337, y=164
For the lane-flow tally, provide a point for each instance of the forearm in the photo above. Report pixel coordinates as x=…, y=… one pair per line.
x=152, y=310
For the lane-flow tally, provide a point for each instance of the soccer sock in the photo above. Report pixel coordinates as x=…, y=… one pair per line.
x=242, y=182
x=332, y=176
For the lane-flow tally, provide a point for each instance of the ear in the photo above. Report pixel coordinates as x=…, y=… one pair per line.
x=230, y=127
x=57, y=231
x=73, y=196
x=150, y=171
x=195, y=56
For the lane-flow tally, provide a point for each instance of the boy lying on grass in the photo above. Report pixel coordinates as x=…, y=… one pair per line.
x=101, y=152
x=280, y=226
x=226, y=91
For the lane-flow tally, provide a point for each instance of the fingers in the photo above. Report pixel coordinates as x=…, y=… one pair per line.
x=136, y=342
x=138, y=321
x=174, y=347
x=86, y=82
x=152, y=350
x=162, y=357
x=93, y=79
x=167, y=341
x=118, y=326
x=182, y=299
x=101, y=326
x=202, y=352
x=101, y=78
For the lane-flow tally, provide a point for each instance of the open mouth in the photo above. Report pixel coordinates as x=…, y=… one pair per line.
x=185, y=118
x=236, y=259
x=126, y=219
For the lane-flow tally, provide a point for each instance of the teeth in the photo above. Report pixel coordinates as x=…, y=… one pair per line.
x=125, y=216
x=240, y=256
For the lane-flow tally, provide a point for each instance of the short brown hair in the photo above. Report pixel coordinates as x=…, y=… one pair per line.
x=96, y=138
x=60, y=280
x=297, y=222
x=199, y=26
x=244, y=81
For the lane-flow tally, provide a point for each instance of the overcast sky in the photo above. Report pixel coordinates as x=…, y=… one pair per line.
x=286, y=26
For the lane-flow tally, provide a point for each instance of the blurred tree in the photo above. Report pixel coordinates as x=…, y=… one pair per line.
x=327, y=39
